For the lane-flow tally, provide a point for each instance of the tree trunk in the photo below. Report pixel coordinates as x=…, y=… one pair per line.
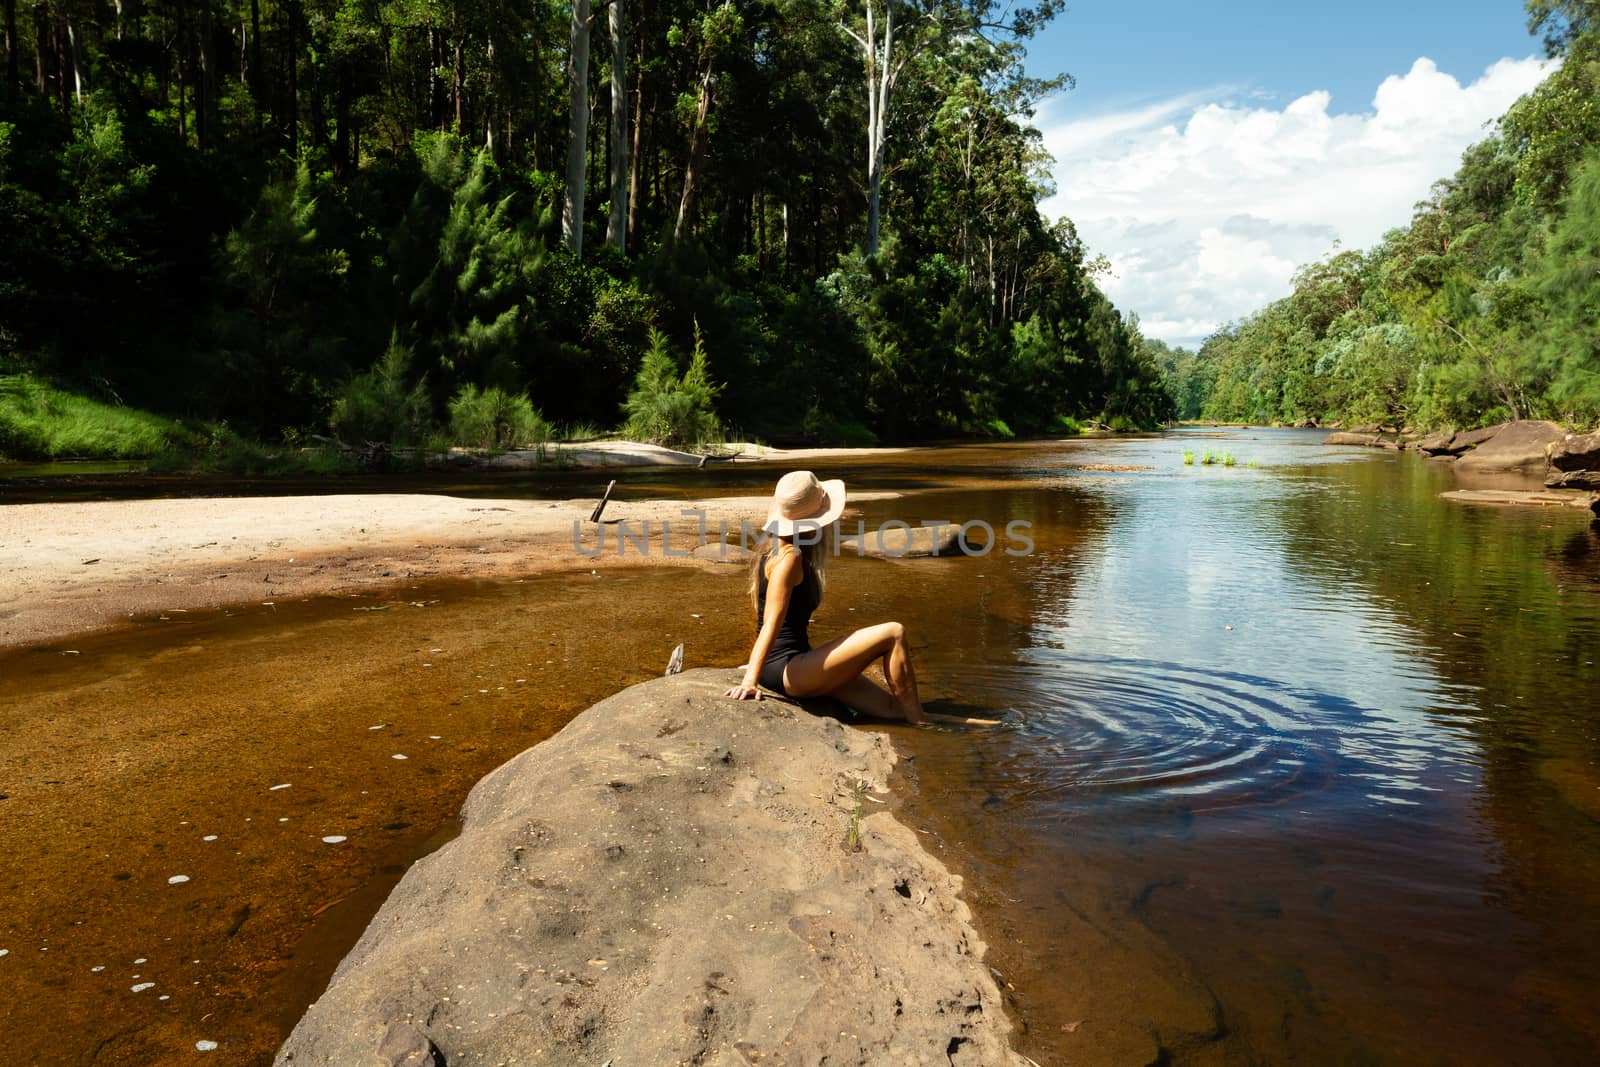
x=12, y=77
x=76, y=55
x=880, y=73
x=577, y=128
x=633, y=160
x=208, y=78
x=341, y=119
x=255, y=52
x=38, y=47
x=617, y=221
x=460, y=70
x=697, y=154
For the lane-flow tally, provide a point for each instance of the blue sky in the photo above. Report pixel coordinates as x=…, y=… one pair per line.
x=1210, y=149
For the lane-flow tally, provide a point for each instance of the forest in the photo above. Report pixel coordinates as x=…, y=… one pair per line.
x=264, y=223
x=1486, y=307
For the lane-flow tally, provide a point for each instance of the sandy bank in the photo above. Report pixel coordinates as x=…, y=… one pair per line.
x=668, y=880
x=76, y=567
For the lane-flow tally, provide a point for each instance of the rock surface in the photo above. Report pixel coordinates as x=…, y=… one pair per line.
x=1351, y=437
x=1535, y=497
x=665, y=881
x=896, y=543
x=1517, y=446
x=1576, y=452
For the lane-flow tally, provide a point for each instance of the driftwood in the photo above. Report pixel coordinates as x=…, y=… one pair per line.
x=598, y=508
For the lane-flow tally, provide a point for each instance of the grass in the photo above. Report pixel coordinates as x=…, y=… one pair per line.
x=853, y=837
x=1209, y=458
x=39, y=421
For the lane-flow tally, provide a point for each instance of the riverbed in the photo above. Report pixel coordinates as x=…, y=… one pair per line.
x=1299, y=761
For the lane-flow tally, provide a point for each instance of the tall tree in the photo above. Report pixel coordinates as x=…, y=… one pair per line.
x=716, y=31
x=617, y=220
x=577, y=128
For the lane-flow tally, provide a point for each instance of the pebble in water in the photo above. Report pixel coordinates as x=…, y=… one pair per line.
x=377, y=727
x=397, y=756
x=97, y=970
x=209, y=837
x=275, y=788
x=5, y=952
x=141, y=987
x=177, y=879
x=205, y=1046
x=140, y=960
x=332, y=839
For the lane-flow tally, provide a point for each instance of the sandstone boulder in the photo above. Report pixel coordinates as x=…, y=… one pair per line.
x=895, y=543
x=1573, y=479
x=1436, y=443
x=1576, y=452
x=673, y=878
x=1517, y=447
x=1351, y=437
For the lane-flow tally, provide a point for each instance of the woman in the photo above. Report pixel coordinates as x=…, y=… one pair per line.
x=786, y=579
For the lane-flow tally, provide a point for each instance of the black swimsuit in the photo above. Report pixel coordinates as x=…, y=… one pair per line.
x=791, y=639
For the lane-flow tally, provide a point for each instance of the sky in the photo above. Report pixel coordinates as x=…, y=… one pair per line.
x=1208, y=150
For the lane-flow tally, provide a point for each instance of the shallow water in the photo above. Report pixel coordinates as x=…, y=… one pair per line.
x=1299, y=763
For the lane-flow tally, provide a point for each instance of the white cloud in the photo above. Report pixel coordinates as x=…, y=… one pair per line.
x=1205, y=208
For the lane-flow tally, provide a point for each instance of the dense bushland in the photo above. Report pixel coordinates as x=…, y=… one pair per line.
x=411, y=223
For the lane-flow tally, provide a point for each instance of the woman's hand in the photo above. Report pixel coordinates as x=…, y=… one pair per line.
x=743, y=692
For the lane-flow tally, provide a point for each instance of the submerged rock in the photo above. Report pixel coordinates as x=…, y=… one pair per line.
x=668, y=880
x=897, y=543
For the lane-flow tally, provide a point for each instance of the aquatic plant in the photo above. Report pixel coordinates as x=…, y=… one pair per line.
x=1227, y=459
x=1188, y=457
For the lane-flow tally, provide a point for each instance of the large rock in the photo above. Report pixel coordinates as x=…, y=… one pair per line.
x=1573, y=479
x=669, y=880
x=1518, y=446
x=1352, y=437
x=893, y=542
x=1576, y=452
x=1436, y=443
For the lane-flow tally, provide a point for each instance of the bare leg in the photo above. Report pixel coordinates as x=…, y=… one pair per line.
x=866, y=697
x=902, y=679
x=828, y=667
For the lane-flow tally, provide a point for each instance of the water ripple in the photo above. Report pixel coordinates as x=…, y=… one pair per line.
x=1149, y=730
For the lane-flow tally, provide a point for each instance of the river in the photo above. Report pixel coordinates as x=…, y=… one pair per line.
x=1299, y=762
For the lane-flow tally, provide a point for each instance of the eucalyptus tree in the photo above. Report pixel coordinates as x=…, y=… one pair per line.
x=617, y=219
x=577, y=128
x=892, y=33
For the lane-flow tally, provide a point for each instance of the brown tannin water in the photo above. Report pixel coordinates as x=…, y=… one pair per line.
x=1299, y=762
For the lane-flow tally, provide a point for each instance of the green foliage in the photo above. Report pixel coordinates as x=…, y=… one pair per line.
x=827, y=429
x=1483, y=309
x=667, y=408
x=1188, y=457
x=493, y=418
x=383, y=403
x=39, y=421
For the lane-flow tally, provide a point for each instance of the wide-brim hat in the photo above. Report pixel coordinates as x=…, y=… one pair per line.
x=802, y=502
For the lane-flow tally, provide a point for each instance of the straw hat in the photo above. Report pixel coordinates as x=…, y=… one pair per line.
x=802, y=501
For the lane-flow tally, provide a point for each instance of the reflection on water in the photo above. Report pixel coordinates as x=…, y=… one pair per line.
x=1302, y=766
x=1299, y=762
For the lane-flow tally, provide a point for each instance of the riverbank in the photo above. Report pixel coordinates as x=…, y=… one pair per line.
x=666, y=882
x=73, y=568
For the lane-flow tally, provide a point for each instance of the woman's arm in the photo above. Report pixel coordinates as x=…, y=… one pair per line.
x=780, y=585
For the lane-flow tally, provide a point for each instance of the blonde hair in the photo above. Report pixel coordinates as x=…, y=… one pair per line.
x=813, y=562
